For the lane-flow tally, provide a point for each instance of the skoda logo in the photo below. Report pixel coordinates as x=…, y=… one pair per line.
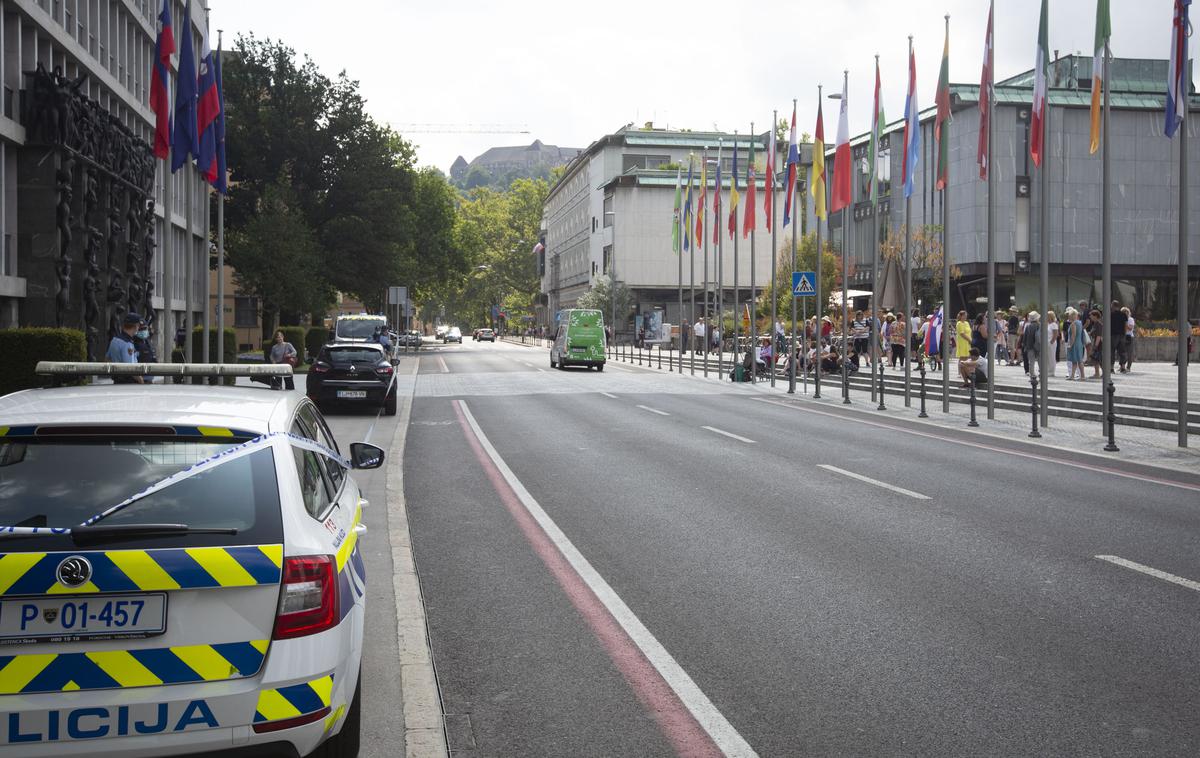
x=74, y=571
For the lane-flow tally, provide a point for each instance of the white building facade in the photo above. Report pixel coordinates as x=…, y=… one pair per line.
x=614, y=206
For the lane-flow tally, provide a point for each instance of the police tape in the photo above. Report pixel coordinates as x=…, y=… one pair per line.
x=227, y=455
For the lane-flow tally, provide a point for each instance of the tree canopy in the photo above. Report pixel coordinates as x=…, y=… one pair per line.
x=324, y=199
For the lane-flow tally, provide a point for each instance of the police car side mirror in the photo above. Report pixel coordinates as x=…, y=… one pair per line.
x=364, y=455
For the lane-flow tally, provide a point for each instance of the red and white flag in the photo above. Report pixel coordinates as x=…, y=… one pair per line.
x=842, y=194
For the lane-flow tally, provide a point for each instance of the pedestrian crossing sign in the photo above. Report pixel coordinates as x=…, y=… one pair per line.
x=804, y=284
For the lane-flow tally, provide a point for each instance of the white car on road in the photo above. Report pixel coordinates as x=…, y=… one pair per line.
x=180, y=572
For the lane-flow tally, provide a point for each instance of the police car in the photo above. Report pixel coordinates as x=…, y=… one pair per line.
x=180, y=570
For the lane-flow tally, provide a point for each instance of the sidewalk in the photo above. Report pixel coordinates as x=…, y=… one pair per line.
x=1149, y=446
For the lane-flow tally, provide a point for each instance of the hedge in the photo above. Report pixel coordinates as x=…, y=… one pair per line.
x=228, y=347
x=315, y=340
x=23, y=348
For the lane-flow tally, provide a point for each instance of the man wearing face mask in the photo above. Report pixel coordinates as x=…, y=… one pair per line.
x=144, y=347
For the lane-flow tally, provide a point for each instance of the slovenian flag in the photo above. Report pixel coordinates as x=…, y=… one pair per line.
x=160, y=76
x=933, y=334
x=912, y=127
x=208, y=109
x=1177, y=87
x=793, y=160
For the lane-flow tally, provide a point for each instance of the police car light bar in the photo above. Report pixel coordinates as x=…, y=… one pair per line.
x=66, y=368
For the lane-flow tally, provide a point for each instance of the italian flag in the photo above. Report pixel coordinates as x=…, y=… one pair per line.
x=1036, y=146
x=1103, y=32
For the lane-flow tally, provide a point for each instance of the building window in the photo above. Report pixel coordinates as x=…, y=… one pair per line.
x=608, y=211
x=245, y=311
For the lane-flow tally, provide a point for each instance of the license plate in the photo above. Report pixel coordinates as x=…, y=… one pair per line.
x=54, y=619
x=352, y=393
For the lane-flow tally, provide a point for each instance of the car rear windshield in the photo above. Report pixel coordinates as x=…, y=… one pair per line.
x=354, y=355
x=63, y=482
x=358, y=328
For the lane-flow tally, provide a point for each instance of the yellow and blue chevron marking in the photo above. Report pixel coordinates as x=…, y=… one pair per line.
x=145, y=570
x=294, y=700
x=111, y=669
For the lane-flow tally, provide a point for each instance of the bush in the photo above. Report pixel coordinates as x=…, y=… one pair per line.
x=23, y=348
x=228, y=348
x=315, y=340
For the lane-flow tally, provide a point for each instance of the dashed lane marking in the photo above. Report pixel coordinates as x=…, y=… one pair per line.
x=1148, y=571
x=654, y=410
x=876, y=482
x=730, y=435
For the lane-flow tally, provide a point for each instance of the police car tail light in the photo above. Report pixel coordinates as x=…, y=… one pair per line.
x=384, y=370
x=308, y=603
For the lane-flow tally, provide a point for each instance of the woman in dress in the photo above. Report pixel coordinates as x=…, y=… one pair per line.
x=1075, y=351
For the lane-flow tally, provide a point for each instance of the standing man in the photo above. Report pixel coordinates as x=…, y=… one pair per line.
x=700, y=333
x=1117, y=319
x=122, y=350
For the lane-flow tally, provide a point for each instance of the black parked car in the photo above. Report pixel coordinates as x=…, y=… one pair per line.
x=354, y=373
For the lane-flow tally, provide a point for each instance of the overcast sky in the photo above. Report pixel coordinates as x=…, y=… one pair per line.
x=570, y=72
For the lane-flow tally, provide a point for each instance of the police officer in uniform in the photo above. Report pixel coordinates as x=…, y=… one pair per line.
x=122, y=348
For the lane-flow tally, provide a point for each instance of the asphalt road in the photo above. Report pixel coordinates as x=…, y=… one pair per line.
x=963, y=611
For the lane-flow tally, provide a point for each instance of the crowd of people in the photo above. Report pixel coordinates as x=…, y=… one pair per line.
x=1077, y=338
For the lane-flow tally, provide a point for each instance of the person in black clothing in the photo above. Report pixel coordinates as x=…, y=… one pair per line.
x=1116, y=332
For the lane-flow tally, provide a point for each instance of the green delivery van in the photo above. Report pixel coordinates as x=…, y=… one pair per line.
x=579, y=340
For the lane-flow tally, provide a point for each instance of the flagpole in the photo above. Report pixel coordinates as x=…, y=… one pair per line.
x=847, y=221
x=692, y=306
x=990, y=317
x=946, y=259
x=189, y=265
x=908, y=335
x=874, y=348
x=818, y=305
x=774, y=265
x=683, y=230
x=795, y=190
x=737, y=313
x=1106, y=390
x=1181, y=302
x=220, y=244
x=1044, y=245
x=753, y=283
x=168, y=288
x=720, y=278
x=704, y=236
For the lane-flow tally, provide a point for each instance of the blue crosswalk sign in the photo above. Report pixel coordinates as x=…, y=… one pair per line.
x=804, y=284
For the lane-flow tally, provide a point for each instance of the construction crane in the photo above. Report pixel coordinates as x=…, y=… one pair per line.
x=462, y=128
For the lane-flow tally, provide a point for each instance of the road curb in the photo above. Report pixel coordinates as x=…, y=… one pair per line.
x=424, y=726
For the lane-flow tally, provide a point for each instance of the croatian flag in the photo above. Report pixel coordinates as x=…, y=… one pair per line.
x=208, y=109
x=793, y=160
x=160, y=95
x=933, y=334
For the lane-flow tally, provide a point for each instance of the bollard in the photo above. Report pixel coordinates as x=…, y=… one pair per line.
x=1111, y=447
x=845, y=382
x=922, y=414
x=881, y=407
x=1033, y=406
x=972, y=422
x=660, y=356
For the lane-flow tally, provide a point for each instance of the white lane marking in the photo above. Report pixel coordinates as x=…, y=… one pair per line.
x=542, y=370
x=445, y=368
x=726, y=737
x=1040, y=457
x=1148, y=571
x=876, y=482
x=731, y=435
x=609, y=394
x=653, y=410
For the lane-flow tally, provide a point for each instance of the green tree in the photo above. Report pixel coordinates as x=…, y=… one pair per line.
x=601, y=297
x=781, y=288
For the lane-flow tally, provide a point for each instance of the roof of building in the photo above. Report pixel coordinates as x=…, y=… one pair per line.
x=551, y=154
x=656, y=178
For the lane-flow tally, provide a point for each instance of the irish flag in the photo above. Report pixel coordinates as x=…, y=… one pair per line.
x=1103, y=32
x=842, y=193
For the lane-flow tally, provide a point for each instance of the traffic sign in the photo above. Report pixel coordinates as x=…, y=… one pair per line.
x=804, y=284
